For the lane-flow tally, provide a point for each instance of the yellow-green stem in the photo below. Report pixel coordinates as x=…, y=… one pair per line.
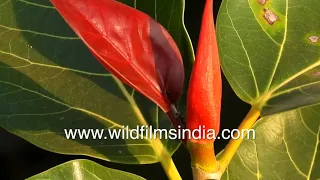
x=169, y=167
x=234, y=144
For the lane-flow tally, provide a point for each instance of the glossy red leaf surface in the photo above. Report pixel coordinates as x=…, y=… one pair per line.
x=129, y=44
x=205, y=88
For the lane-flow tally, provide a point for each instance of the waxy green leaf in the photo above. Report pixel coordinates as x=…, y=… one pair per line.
x=286, y=146
x=270, y=52
x=83, y=169
x=49, y=81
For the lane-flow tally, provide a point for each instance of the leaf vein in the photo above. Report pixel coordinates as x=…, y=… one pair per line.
x=39, y=33
x=281, y=48
x=64, y=104
x=304, y=123
x=314, y=155
x=289, y=155
x=245, y=164
x=52, y=66
x=36, y=4
x=246, y=52
x=258, y=168
x=294, y=88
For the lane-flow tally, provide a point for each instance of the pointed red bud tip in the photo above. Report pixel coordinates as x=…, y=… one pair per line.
x=205, y=88
x=129, y=44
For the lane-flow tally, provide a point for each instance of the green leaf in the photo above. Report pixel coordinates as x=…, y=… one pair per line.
x=49, y=82
x=286, y=146
x=273, y=66
x=83, y=169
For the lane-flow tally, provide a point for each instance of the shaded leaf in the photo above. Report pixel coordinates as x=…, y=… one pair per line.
x=266, y=52
x=83, y=169
x=286, y=147
x=49, y=81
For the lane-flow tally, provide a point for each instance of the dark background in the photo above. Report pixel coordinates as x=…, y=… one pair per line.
x=21, y=159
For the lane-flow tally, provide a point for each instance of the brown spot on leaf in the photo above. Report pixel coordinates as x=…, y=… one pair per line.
x=316, y=73
x=263, y=2
x=314, y=39
x=270, y=16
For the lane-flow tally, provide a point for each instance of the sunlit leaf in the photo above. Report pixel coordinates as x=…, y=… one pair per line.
x=270, y=52
x=286, y=146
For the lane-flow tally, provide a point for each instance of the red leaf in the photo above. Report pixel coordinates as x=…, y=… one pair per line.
x=129, y=44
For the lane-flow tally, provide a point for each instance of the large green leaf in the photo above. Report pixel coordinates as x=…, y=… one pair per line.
x=49, y=82
x=286, y=147
x=83, y=169
x=273, y=66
